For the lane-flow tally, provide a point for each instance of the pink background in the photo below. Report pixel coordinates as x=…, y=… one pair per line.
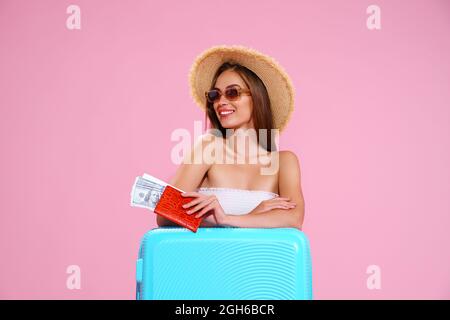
x=83, y=112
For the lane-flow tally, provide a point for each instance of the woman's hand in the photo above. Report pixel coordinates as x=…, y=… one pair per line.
x=275, y=203
x=205, y=203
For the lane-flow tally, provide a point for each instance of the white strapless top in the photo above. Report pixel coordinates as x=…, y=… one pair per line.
x=237, y=201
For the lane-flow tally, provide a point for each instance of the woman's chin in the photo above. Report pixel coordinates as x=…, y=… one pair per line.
x=233, y=125
x=228, y=124
x=230, y=127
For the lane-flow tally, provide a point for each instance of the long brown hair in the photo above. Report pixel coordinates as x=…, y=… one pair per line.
x=262, y=112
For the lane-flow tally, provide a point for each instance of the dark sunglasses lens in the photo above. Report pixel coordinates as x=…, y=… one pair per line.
x=232, y=93
x=213, y=95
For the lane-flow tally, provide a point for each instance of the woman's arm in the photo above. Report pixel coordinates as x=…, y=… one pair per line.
x=276, y=218
x=290, y=187
x=189, y=175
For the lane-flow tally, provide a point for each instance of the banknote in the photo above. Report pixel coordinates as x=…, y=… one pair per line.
x=146, y=191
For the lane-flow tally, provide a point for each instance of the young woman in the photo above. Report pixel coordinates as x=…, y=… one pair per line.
x=241, y=90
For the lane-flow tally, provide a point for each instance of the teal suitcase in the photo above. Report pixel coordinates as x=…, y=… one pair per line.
x=224, y=264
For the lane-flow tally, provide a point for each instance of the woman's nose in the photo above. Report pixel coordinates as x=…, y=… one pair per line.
x=223, y=100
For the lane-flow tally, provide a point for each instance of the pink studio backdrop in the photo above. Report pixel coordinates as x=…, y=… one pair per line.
x=83, y=112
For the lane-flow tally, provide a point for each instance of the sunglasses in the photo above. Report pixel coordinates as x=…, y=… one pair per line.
x=232, y=94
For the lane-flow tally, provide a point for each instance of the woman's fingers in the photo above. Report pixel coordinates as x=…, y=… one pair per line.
x=193, y=202
x=190, y=194
x=281, y=204
x=284, y=202
x=281, y=207
x=281, y=199
x=199, y=198
x=205, y=210
x=202, y=204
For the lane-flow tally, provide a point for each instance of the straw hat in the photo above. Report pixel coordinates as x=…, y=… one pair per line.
x=277, y=82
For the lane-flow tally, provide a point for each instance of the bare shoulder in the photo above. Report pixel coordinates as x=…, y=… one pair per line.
x=287, y=154
x=290, y=183
x=193, y=168
x=290, y=176
x=289, y=166
x=289, y=160
x=191, y=171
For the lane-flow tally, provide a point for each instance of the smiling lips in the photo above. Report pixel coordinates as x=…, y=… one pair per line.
x=225, y=112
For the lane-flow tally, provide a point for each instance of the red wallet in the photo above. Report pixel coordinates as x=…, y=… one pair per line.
x=170, y=207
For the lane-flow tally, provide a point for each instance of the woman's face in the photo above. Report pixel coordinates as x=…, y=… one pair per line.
x=241, y=117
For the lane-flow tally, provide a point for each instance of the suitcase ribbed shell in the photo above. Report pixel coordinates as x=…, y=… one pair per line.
x=224, y=264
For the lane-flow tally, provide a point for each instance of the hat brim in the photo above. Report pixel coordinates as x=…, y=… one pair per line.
x=277, y=82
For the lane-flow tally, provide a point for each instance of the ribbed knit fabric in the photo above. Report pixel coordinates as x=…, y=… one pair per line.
x=238, y=201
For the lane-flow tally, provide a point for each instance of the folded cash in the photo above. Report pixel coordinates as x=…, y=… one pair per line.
x=146, y=191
